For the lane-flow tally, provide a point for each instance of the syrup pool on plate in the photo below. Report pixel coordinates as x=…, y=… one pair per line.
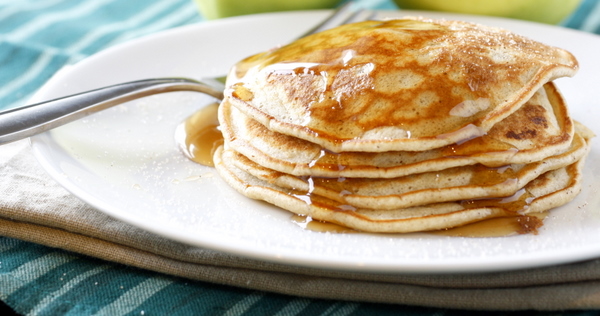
x=494, y=227
x=199, y=136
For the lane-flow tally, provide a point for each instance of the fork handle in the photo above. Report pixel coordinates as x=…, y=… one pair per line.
x=23, y=122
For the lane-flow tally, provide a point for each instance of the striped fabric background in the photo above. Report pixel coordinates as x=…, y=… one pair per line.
x=33, y=45
x=39, y=280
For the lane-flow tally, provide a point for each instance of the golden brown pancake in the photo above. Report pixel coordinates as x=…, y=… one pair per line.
x=550, y=190
x=539, y=129
x=459, y=183
x=397, y=85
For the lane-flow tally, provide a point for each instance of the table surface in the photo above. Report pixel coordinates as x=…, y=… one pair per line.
x=30, y=53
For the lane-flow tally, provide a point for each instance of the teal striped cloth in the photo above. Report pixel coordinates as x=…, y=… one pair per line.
x=37, y=38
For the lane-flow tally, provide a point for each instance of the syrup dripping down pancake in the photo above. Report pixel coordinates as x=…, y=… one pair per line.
x=459, y=183
x=550, y=190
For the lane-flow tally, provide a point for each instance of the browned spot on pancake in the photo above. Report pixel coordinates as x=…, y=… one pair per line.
x=539, y=120
x=526, y=125
x=526, y=134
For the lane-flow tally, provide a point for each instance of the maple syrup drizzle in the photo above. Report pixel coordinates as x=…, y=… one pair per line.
x=199, y=135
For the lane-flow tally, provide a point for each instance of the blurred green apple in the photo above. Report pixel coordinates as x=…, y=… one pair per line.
x=545, y=11
x=214, y=9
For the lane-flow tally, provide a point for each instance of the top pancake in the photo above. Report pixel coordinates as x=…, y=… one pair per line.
x=539, y=129
x=409, y=84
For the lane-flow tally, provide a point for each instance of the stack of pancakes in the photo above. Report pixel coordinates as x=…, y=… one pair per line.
x=403, y=125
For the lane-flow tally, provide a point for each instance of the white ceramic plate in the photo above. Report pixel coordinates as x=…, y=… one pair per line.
x=124, y=161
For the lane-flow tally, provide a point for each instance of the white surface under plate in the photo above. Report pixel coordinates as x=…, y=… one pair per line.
x=124, y=161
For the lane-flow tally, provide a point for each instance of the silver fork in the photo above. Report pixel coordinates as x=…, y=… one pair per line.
x=30, y=120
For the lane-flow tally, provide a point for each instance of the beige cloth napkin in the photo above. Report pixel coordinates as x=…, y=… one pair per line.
x=36, y=209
